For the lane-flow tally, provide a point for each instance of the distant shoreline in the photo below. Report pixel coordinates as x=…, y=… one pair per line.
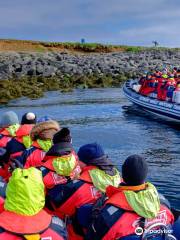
x=43, y=46
x=30, y=68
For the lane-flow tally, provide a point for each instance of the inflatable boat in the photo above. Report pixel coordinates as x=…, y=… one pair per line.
x=166, y=110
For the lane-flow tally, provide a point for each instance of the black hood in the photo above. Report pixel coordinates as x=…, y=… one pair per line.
x=60, y=149
x=103, y=163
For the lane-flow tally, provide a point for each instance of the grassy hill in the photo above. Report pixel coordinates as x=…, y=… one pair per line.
x=38, y=46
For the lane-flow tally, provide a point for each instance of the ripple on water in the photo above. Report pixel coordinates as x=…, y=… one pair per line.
x=99, y=115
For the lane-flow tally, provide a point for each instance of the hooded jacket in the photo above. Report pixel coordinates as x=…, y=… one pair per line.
x=23, y=216
x=6, y=134
x=85, y=190
x=66, y=199
x=126, y=209
x=33, y=156
x=41, y=136
x=20, y=141
x=59, y=165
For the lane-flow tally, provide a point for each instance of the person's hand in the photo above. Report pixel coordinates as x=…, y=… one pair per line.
x=14, y=163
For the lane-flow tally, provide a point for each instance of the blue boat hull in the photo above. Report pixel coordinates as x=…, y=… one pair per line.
x=165, y=110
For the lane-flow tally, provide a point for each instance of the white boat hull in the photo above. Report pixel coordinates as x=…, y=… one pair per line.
x=162, y=109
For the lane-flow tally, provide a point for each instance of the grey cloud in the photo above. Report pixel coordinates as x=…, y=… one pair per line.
x=96, y=20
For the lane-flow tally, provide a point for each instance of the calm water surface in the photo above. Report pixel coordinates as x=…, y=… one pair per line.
x=99, y=115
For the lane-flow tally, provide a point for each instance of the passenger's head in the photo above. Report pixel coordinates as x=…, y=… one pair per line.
x=8, y=118
x=63, y=135
x=90, y=152
x=65, y=161
x=44, y=130
x=134, y=170
x=28, y=118
x=164, y=71
x=94, y=155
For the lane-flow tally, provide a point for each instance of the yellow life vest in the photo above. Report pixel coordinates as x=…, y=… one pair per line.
x=101, y=179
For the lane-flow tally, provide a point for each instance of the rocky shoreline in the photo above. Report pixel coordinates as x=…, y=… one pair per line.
x=39, y=72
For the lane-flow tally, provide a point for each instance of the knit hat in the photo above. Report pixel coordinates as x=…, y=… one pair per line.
x=134, y=170
x=28, y=118
x=89, y=152
x=25, y=200
x=8, y=118
x=93, y=154
x=44, y=130
x=62, y=136
x=44, y=119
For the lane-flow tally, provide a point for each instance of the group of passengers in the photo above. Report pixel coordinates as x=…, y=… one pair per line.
x=160, y=84
x=48, y=191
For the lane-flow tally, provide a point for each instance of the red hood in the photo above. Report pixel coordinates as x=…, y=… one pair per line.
x=24, y=130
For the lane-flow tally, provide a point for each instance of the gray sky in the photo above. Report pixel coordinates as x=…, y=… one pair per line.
x=130, y=22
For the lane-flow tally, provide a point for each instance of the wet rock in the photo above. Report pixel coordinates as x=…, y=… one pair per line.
x=56, y=64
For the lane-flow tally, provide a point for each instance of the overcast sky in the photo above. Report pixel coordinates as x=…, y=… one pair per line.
x=130, y=22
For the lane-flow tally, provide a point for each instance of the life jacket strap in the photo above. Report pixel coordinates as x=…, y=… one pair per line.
x=32, y=237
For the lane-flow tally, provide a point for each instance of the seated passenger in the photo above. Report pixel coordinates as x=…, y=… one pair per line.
x=158, y=74
x=22, y=140
x=9, y=124
x=135, y=203
x=169, y=87
x=98, y=172
x=174, y=72
x=97, y=167
x=160, y=88
x=143, y=78
x=165, y=73
x=41, y=136
x=23, y=216
x=149, y=85
x=60, y=164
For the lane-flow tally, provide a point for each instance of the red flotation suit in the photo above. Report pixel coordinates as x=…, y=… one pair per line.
x=117, y=219
x=163, y=87
x=21, y=134
x=1, y=204
x=15, y=146
x=51, y=178
x=148, y=86
x=54, y=230
x=5, y=136
x=34, y=156
x=75, y=194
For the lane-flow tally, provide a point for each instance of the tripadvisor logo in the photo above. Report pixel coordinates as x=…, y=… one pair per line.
x=139, y=231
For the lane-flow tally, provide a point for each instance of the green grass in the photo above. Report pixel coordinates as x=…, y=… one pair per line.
x=40, y=46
